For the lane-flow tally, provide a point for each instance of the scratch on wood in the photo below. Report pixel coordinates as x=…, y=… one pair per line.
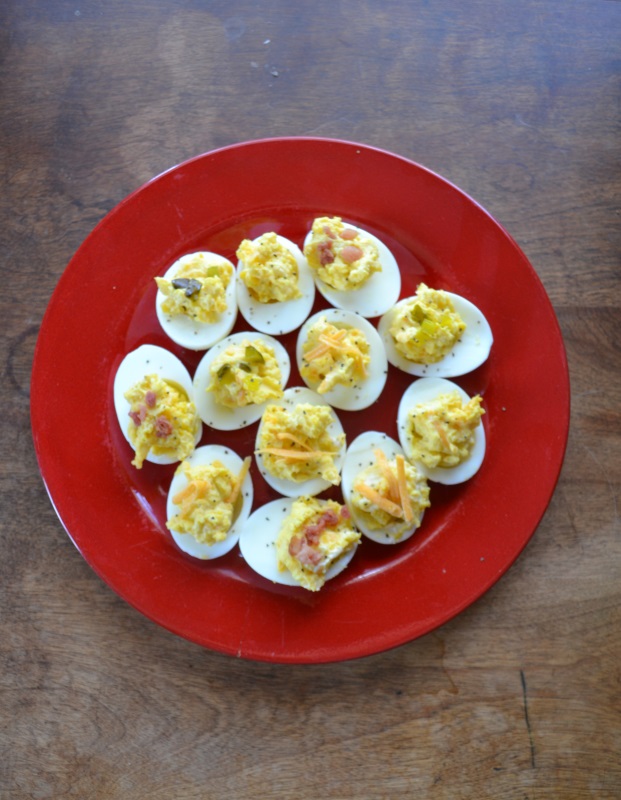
x=527, y=721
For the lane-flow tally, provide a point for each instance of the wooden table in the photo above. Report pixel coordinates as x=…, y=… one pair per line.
x=518, y=104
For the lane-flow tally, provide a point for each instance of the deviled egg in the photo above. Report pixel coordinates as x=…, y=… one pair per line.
x=195, y=302
x=341, y=356
x=236, y=379
x=299, y=542
x=153, y=400
x=300, y=444
x=436, y=333
x=275, y=286
x=386, y=495
x=353, y=269
x=440, y=428
x=209, y=499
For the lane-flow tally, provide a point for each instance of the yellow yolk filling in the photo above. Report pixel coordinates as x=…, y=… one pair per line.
x=332, y=355
x=201, y=290
x=245, y=373
x=296, y=444
x=341, y=256
x=442, y=432
x=163, y=421
x=270, y=270
x=427, y=327
x=390, y=494
x=209, y=504
x=315, y=535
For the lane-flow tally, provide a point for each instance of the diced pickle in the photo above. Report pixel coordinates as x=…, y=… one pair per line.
x=253, y=356
x=417, y=314
x=189, y=286
x=225, y=374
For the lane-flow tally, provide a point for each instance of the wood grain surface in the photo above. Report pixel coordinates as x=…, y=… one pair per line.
x=517, y=103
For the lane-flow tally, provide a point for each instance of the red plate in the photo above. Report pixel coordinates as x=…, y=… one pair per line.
x=103, y=307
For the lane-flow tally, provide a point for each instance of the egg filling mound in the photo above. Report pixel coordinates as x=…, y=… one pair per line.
x=163, y=420
x=332, y=355
x=441, y=432
x=296, y=445
x=209, y=504
x=315, y=535
x=341, y=256
x=270, y=270
x=198, y=289
x=390, y=494
x=244, y=373
x=427, y=327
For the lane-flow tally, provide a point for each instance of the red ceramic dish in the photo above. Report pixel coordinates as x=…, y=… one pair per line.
x=104, y=306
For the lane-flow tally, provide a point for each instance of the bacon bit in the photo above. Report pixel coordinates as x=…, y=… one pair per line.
x=351, y=253
x=382, y=502
x=138, y=416
x=406, y=503
x=329, y=232
x=150, y=398
x=295, y=545
x=389, y=475
x=345, y=513
x=303, y=546
x=348, y=234
x=307, y=555
x=238, y=481
x=326, y=256
x=163, y=427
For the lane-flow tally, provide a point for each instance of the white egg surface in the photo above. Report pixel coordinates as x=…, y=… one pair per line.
x=258, y=543
x=149, y=359
x=206, y=456
x=222, y=417
x=469, y=352
x=348, y=385
x=425, y=392
x=377, y=294
x=187, y=329
x=278, y=317
x=294, y=399
x=361, y=462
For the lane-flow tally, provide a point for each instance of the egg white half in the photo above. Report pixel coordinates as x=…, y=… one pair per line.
x=258, y=543
x=425, y=390
x=191, y=333
x=149, y=359
x=279, y=317
x=200, y=457
x=365, y=392
x=376, y=295
x=314, y=486
x=215, y=414
x=467, y=354
x=359, y=456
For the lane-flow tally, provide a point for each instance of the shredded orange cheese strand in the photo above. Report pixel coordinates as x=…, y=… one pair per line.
x=238, y=481
x=295, y=455
x=188, y=496
x=404, y=495
x=326, y=344
x=379, y=500
x=389, y=475
x=292, y=438
x=442, y=434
